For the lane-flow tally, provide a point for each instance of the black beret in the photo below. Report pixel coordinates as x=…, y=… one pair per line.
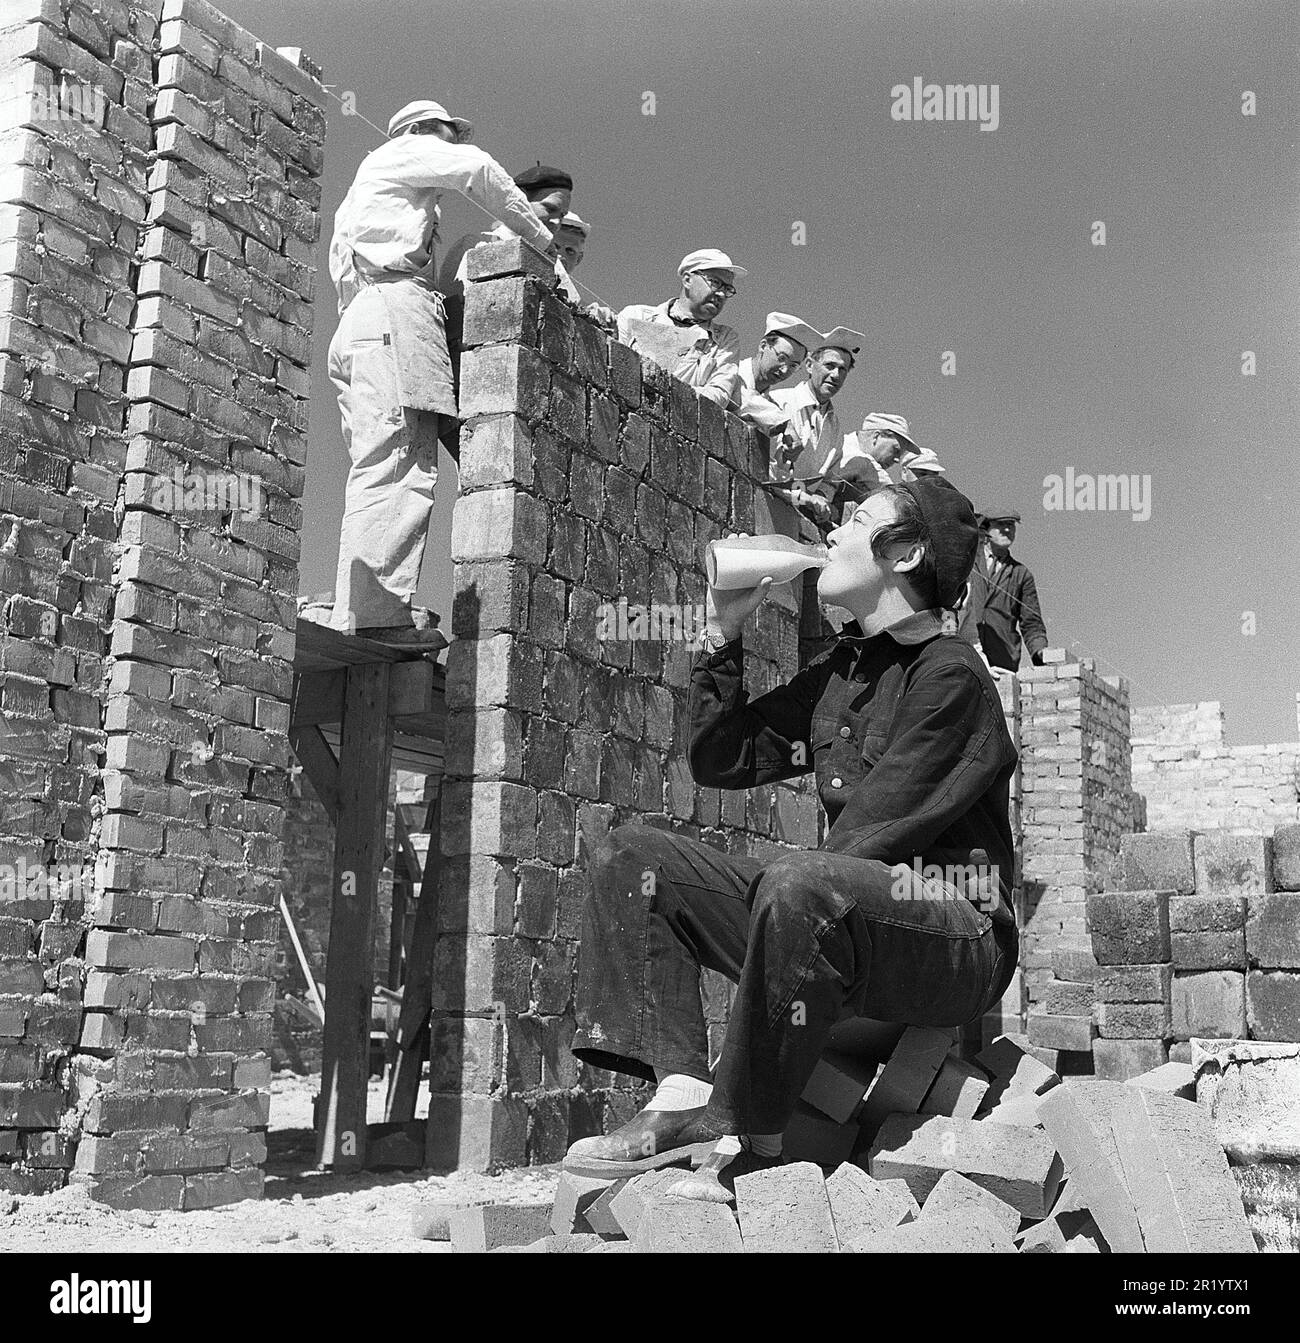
x=953, y=532
x=543, y=178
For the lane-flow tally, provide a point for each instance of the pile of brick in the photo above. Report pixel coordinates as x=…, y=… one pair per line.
x=997, y=1155
x=156, y=282
x=1199, y=935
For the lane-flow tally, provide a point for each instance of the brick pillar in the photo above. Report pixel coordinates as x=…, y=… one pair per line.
x=1077, y=801
x=76, y=150
x=1007, y=1016
x=155, y=377
x=587, y=479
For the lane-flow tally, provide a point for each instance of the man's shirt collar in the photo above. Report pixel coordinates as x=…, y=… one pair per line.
x=667, y=310
x=801, y=397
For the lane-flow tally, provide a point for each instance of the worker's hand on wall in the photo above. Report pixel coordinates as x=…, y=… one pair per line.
x=601, y=315
x=815, y=504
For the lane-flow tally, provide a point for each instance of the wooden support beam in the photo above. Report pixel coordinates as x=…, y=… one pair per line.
x=417, y=992
x=415, y=691
x=404, y=849
x=320, y=766
x=396, y=928
x=363, y=766
x=317, y=697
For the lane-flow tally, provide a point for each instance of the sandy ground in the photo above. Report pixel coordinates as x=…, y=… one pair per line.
x=303, y=1210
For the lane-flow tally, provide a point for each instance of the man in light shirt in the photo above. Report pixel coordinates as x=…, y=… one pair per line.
x=709, y=352
x=389, y=360
x=782, y=350
x=811, y=449
x=884, y=441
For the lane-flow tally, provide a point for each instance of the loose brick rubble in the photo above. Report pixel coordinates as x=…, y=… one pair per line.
x=1096, y=1166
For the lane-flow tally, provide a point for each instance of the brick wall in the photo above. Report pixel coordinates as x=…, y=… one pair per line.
x=1076, y=803
x=1192, y=779
x=158, y=211
x=586, y=477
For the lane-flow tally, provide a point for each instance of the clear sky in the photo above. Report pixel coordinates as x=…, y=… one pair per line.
x=932, y=237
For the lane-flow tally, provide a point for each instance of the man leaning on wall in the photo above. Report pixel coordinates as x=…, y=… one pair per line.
x=706, y=352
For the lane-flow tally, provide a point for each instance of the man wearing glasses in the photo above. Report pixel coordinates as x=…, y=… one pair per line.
x=781, y=351
x=707, y=354
x=902, y=725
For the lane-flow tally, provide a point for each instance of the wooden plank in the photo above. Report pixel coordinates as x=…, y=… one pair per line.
x=303, y=963
x=358, y=861
x=320, y=648
x=404, y=849
x=320, y=766
x=417, y=992
x=418, y=762
x=417, y=754
x=396, y=929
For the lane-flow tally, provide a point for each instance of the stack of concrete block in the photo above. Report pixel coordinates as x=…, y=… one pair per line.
x=917, y=1071
x=155, y=325
x=591, y=483
x=1195, y=940
x=1148, y=1168
x=1273, y=943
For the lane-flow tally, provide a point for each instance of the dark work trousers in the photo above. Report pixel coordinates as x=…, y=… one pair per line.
x=808, y=938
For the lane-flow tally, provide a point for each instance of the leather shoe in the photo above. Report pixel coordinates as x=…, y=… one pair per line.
x=649, y=1140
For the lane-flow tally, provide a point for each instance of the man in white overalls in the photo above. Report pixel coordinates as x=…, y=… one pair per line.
x=389, y=359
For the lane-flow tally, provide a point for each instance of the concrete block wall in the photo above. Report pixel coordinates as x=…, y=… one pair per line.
x=587, y=478
x=159, y=203
x=1192, y=779
x=1197, y=938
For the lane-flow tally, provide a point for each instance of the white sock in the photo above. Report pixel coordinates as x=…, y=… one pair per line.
x=677, y=1091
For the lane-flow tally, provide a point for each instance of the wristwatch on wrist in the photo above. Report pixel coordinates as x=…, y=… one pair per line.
x=715, y=642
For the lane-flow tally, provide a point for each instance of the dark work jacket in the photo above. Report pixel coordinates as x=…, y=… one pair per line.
x=993, y=612
x=904, y=730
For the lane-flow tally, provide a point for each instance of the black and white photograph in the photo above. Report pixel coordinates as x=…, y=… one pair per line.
x=648, y=627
